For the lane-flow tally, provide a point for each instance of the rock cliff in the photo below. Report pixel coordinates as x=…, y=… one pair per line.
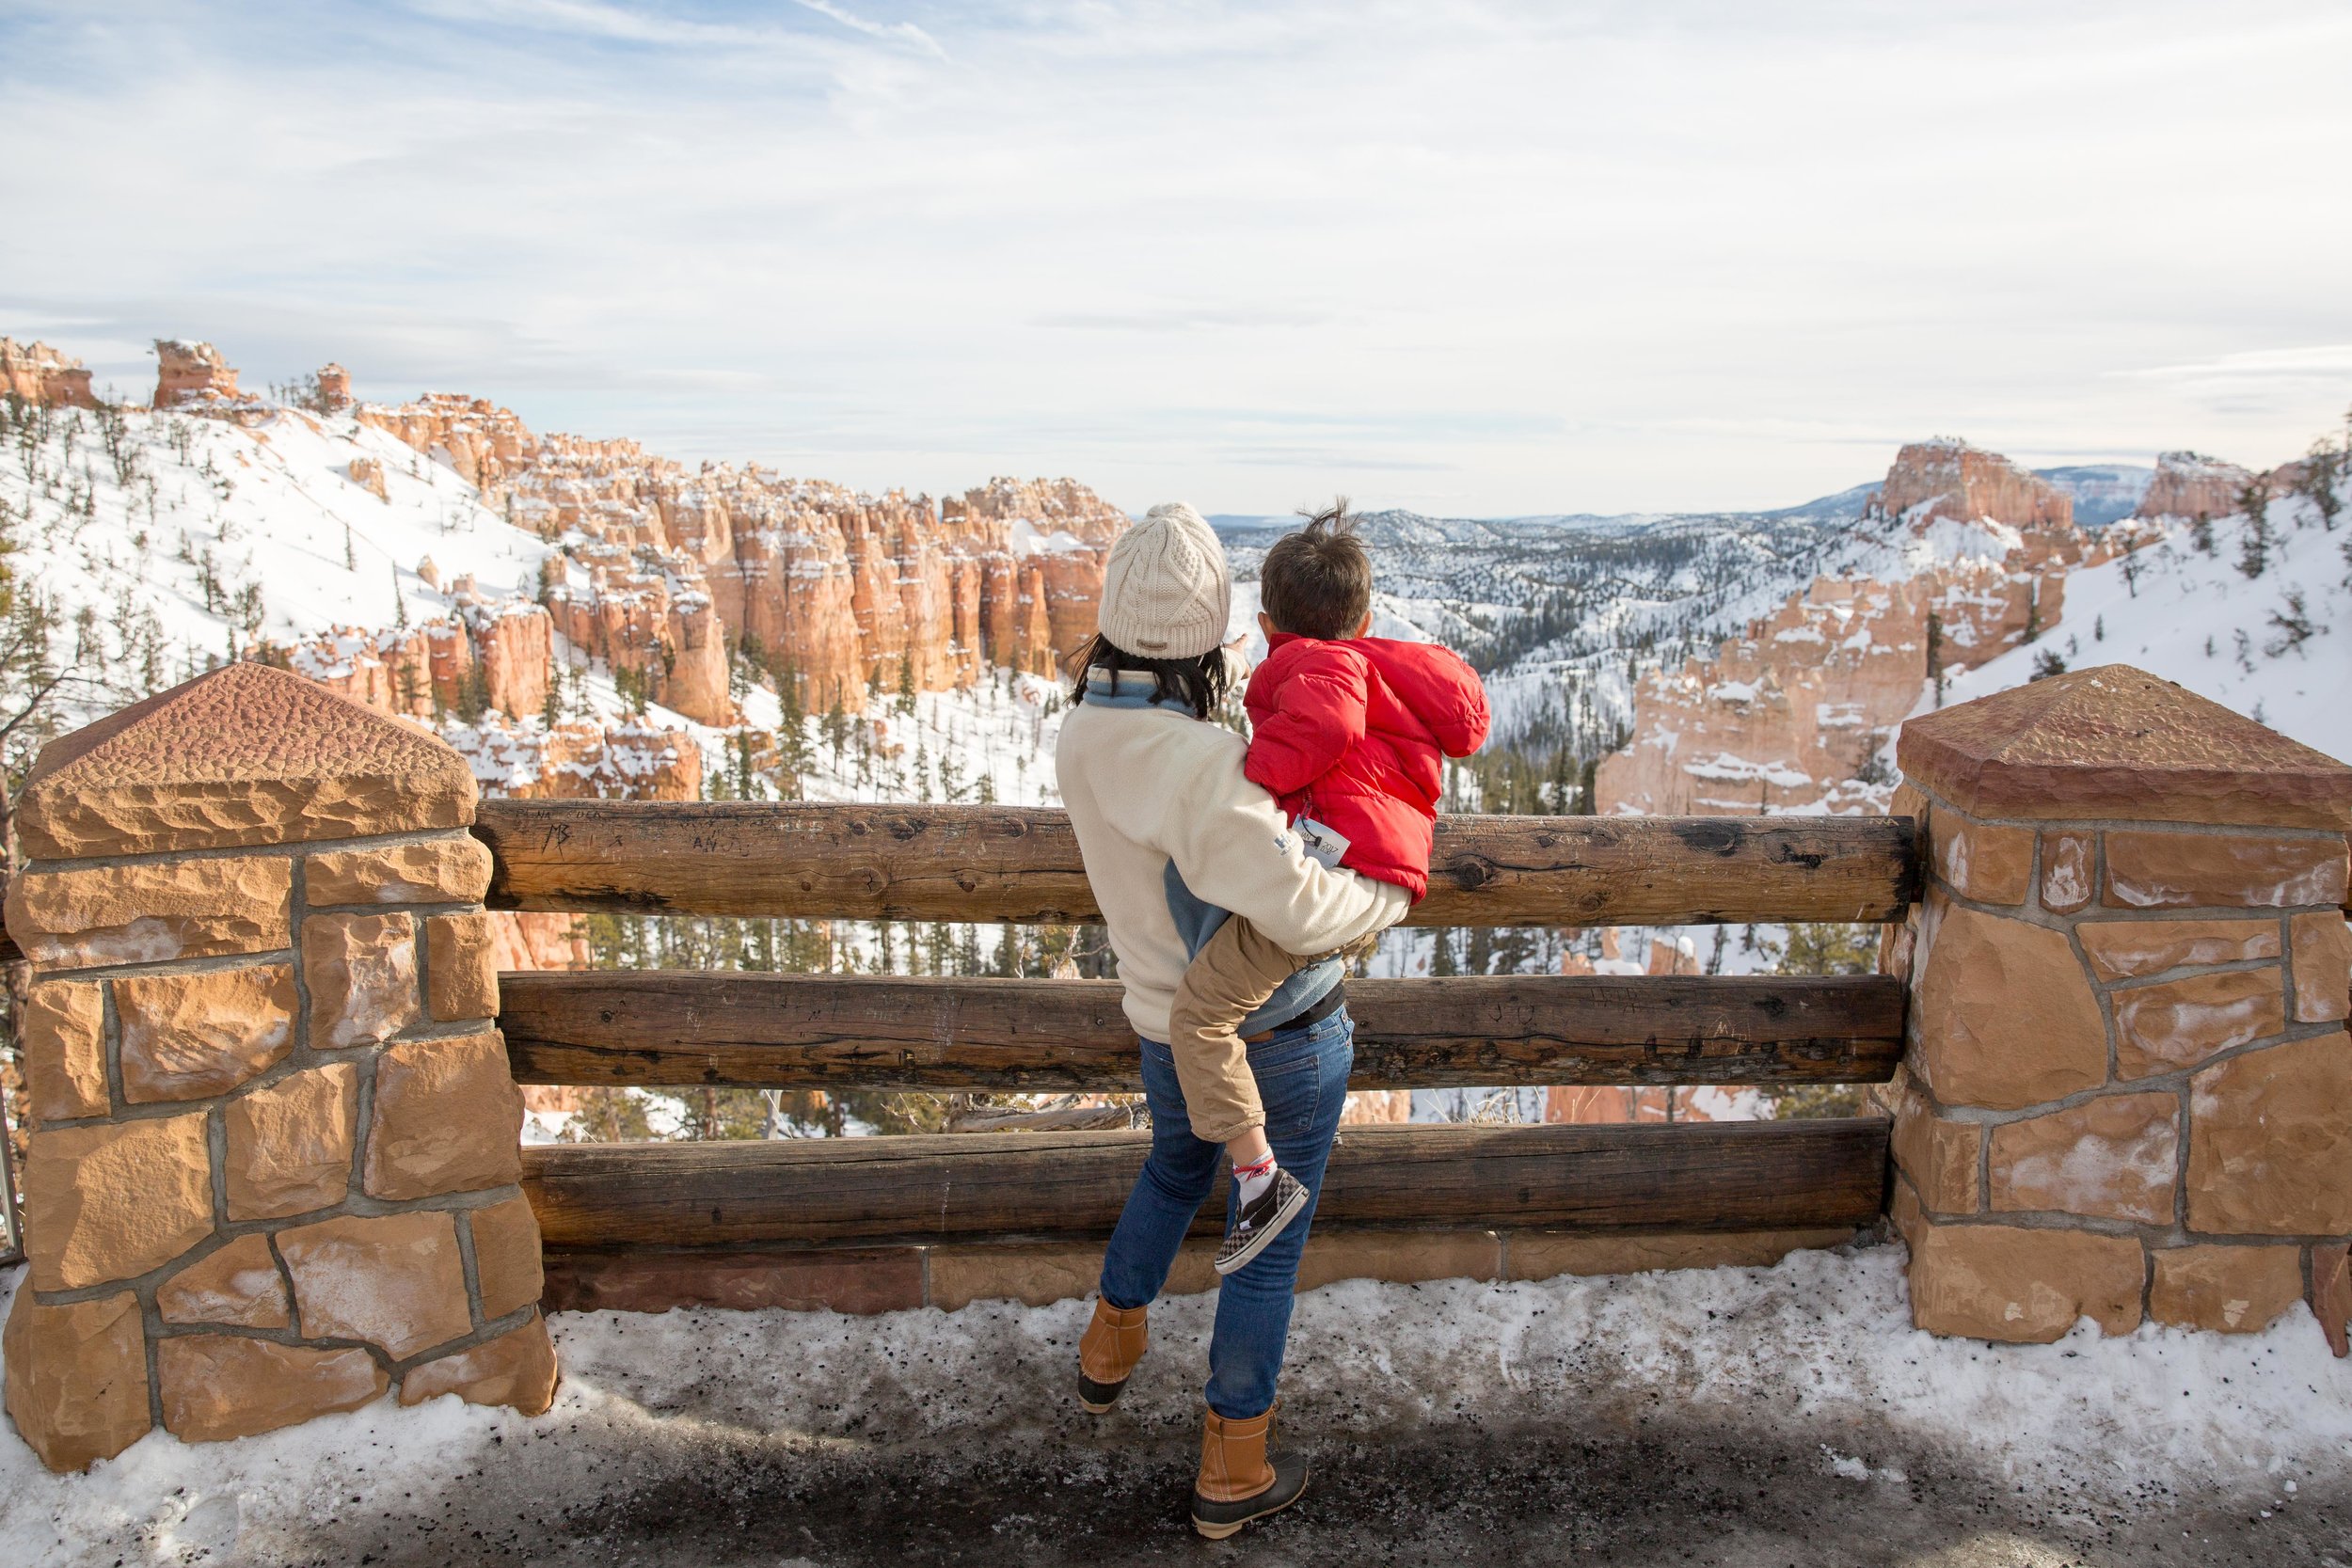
x=39, y=374
x=2190, y=485
x=1791, y=715
x=836, y=590
x=191, y=373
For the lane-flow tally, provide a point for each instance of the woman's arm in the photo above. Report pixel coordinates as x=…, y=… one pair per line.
x=1233, y=849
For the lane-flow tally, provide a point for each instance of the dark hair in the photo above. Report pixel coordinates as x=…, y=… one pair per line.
x=1198, y=684
x=1317, y=582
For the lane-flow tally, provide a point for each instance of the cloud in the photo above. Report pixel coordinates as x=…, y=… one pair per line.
x=1510, y=259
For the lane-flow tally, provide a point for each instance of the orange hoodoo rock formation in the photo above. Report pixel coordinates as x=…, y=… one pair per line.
x=2190, y=485
x=334, y=385
x=187, y=373
x=1785, y=716
x=1949, y=478
x=839, y=589
x=39, y=374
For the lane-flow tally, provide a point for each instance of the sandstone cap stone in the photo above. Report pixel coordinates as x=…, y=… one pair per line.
x=246, y=755
x=394, y=1280
x=517, y=1368
x=112, y=1201
x=76, y=1377
x=216, y=1387
x=2116, y=741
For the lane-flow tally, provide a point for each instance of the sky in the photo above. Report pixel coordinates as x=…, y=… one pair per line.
x=1473, y=259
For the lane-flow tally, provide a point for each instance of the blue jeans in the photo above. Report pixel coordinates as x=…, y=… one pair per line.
x=1302, y=1078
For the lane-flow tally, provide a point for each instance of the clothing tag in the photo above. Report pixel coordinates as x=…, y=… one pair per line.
x=1322, y=843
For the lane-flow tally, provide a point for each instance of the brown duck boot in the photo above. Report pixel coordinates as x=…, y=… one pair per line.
x=1108, y=1351
x=1237, y=1485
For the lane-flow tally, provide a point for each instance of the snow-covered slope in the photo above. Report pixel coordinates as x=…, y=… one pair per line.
x=2276, y=646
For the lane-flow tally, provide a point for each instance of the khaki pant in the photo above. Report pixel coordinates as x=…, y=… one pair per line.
x=1227, y=981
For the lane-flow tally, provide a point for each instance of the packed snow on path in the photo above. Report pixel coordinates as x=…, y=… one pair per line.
x=1815, y=1357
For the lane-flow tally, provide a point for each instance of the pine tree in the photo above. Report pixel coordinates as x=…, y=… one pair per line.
x=2254, y=550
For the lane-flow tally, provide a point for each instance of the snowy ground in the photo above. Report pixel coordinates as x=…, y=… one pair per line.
x=1731, y=1417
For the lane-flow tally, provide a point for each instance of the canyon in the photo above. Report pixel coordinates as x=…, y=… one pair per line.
x=1794, y=714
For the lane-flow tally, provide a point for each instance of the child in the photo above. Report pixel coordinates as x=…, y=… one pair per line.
x=1347, y=732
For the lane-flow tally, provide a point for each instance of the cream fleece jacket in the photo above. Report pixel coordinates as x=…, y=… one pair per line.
x=1150, y=786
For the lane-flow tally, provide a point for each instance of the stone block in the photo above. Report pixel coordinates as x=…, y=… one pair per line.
x=1545, y=1254
x=361, y=969
x=1903, y=1211
x=238, y=1284
x=290, y=1143
x=1939, y=1154
x=447, y=1118
x=1399, y=1257
x=216, y=1387
x=151, y=913
x=506, y=1256
x=2069, y=871
x=2178, y=1023
x=193, y=1035
x=112, y=1201
x=2323, y=966
x=2331, y=1294
x=2118, y=742
x=2269, y=1146
x=2182, y=871
x=517, y=1368
x=2025, y=1286
x=2226, y=1289
x=1987, y=862
x=2127, y=949
x=462, y=967
x=394, y=1280
x=246, y=755
x=2004, y=1014
x=860, y=1280
x=452, y=870
x=2116, y=1157
x=76, y=1377
x=62, y=1031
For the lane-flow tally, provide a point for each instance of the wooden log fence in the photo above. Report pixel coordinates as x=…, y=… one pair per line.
x=1728, y=1176
x=879, y=1032
x=1020, y=865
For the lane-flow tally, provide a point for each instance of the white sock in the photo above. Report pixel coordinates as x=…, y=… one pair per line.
x=1254, y=1179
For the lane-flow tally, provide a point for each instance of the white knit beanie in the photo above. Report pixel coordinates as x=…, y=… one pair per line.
x=1167, y=592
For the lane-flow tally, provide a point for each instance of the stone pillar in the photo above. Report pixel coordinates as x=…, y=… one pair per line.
x=275, y=1148
x=2125, y=1092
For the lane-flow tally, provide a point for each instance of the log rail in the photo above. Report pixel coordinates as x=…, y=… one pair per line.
x=1020, y=865
x=989, y=864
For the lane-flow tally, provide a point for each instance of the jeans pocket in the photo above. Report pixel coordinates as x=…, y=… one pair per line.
x=1292, y=1093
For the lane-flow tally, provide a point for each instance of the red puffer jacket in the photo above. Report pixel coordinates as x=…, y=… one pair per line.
x=1351, y=734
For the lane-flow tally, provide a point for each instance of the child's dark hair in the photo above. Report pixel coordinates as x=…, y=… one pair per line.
x=1198, y=684
x=1317, y=582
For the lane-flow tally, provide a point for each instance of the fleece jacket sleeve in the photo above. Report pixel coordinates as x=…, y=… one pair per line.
x=1233, y=849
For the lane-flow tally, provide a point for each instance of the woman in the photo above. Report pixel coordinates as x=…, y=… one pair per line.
x=1173, y=836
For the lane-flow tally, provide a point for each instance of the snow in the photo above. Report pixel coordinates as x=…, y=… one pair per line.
x=1819, y=1347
